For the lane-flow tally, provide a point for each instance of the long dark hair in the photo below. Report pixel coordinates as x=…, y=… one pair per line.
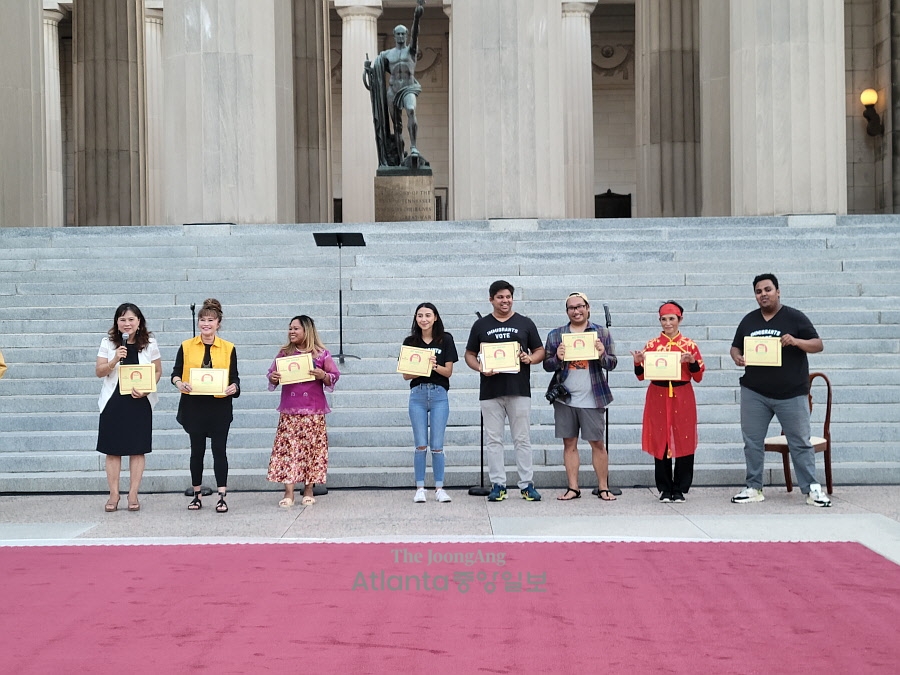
x=437, y=330
x=141, y=337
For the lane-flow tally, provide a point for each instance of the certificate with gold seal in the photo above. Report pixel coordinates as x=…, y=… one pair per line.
x=762, y=351
x=295, y=368
x=208, y=381
x=580, y=346
x=414, y=361
x=501, y=357
x=141, y=376
x=662, y=365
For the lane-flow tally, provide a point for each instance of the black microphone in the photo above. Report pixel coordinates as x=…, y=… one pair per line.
x=478, y=314
x=124, y=340
x=608, y=318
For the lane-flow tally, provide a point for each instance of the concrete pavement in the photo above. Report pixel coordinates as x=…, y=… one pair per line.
x=867, y=514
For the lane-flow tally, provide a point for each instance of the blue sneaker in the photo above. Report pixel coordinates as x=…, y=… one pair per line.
x=528, y=492
x=498, y=493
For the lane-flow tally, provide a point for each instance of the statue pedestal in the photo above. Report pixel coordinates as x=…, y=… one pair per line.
x=404, y=195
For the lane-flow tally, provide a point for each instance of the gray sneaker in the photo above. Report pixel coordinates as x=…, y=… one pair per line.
x=816, y=497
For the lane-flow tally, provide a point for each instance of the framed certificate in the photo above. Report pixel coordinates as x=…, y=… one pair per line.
x=208, y=381
x=141, y=377
x=414, y=361
x=580, y=346
x=762, y=351
x=295, y=368
x=501, y=357
x=662, y=365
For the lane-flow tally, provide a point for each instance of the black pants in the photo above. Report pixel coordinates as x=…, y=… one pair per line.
x=682, y=478
x=220, y=459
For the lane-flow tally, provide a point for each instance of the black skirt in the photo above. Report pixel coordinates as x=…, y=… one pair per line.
x=126, y=426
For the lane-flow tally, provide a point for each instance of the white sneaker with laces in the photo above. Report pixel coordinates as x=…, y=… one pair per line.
x=441, y=496
x=420, y=495
x=748, y=495
x=816, y=497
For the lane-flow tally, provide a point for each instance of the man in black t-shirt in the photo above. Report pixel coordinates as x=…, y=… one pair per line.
x=781, y=391
x=506, y=396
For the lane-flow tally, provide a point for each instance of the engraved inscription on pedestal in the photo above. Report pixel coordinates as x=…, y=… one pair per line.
x=404, y=198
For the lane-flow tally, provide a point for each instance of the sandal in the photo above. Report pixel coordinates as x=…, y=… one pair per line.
x=308, y=501
x=563, y=497
x=111, y=505
x=221, y=506
x=134, y=505
x=610, y=498
x=195, y=504
x=286, y=503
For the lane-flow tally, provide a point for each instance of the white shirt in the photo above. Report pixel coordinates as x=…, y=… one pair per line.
x=111, y=382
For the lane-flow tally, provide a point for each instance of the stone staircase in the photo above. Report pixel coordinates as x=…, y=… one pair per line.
x=59, y=287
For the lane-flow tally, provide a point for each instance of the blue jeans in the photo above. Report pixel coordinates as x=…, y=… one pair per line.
x=424, y=400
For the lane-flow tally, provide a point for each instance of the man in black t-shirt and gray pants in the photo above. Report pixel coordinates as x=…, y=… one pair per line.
x=507, y=396
x=777, y=390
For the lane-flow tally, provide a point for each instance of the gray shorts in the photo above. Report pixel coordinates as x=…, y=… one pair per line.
x=569, y=420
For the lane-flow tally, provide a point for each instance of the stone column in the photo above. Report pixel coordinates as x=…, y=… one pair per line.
x=153, y=65
x=55, y=205
x=359, y=156
x=110, y=132
x=507, y=96
x=668, y=107
x=448, y=10
x=229, y=103
x=578, y=109
x=715, y=118
x=312, y=107
x=23, y=172
x=788, y=107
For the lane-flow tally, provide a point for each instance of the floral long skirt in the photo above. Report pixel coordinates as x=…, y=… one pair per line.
x=300, y=452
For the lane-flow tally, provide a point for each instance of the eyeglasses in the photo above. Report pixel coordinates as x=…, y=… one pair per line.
x=575, y=308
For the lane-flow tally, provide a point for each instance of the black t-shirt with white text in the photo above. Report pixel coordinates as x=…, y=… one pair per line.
x=516, y=328
x=791, y=379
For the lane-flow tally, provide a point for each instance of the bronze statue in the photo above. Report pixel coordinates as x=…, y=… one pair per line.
x=389, y=101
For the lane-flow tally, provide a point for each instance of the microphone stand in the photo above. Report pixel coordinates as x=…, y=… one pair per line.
x=193, y=321
x=615, y=491
x=480, y=490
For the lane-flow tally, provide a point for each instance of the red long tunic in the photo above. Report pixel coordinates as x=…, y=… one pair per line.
x=670, y=413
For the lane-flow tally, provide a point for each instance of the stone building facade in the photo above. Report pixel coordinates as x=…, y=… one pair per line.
x=145, y=112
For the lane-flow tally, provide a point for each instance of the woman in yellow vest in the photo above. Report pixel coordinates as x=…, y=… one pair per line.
x=207, y=416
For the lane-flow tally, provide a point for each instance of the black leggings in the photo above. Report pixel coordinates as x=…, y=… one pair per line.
x=220, y=459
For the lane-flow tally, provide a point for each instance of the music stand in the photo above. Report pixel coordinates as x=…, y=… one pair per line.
x=340, y=239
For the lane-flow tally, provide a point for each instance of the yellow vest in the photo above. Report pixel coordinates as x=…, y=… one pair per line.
x=194, y=350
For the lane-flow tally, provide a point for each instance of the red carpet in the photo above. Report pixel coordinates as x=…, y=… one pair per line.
x=604, y=607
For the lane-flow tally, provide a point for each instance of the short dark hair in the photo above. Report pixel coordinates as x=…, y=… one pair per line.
x=501, y=285
x=765, y=277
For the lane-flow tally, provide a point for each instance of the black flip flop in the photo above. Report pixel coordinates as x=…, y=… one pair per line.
x=577, y=494
x=609, y=492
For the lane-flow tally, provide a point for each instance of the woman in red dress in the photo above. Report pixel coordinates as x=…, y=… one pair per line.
x=670, y=410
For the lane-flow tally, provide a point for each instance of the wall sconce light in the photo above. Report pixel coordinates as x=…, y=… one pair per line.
x=869, y=98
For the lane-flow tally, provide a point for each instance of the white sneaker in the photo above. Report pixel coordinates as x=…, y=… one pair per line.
x=442, y=496
x=816, y=497
x=420, y=495
x=748, y=495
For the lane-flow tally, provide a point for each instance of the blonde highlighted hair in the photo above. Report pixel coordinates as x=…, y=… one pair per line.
x=311, y=340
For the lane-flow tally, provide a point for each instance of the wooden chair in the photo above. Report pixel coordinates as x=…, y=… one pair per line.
x=820, y=443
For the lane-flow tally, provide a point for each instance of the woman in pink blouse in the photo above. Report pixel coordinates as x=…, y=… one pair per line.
x=300, y=452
